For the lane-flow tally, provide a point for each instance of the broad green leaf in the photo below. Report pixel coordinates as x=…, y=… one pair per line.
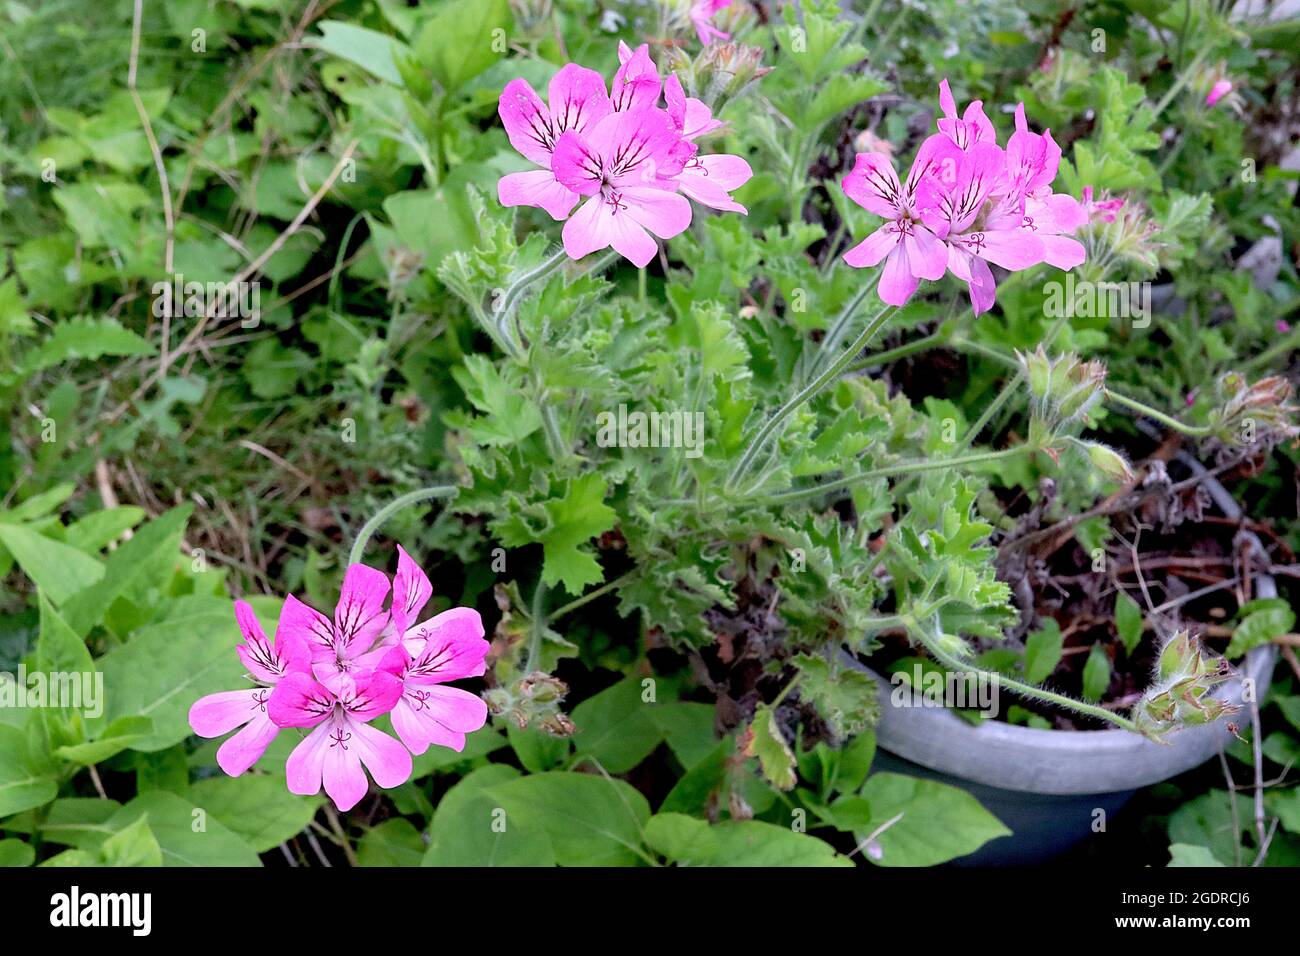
x=167, y=666
x=687, y=728
x=148, y=556
x=369, y=49
x=78, y=821
x=616, y=727
x=121, y=734
x=591, y=820
x=16, y=853
x=256, y=806
x=758, y=844
x=463, y=39
x=1182, y=854
x=187, y=834
x=680, y=838
x=938, y=822
x=537, y=750
x=59, y=570
x=22, y=786
x=470, y=828
x=133, y=845
x=394, y=842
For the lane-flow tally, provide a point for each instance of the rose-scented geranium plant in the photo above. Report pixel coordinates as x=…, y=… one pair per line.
x=333, y=676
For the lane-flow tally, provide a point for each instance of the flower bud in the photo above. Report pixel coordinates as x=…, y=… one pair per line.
x=1107, y=460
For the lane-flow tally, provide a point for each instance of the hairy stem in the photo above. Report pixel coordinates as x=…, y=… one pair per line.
x=828, y=375
x=387, y=511
x=1195, y=431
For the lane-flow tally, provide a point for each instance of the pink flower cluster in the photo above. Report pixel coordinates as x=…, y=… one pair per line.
x=334, y=676
x=631, y=160
x=966, y=202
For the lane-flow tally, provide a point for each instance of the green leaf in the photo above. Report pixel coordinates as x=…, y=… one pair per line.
x=22, y=786
x=134, y=845
x=845, y=698
x=938, y=822
x=118, y=736
x=461, y=40
x=1043, y=652
x=758, y=844
x=1260, y=627
x=16, y=853
x=372, y=51
x=508, y=415
x=83, y=338
x=687, y=728
x=537, y=750
x=1096, y=673
x=680, y=838
x=590, y=820
x=571, y=522
x=616, y=727
x=167, y=666
x=148, y=556
x=478, y=744
x=1183, y=854
x=394, y=842
x=59, y=570
x=1128, y=621
x=256, y=806
x=78, y=821
x=187, y=835
x=769, y=746
x=470, y=828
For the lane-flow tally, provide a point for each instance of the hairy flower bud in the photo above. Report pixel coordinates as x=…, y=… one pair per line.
x=1182, y=695
x=1106, y=460
x=1062, y=389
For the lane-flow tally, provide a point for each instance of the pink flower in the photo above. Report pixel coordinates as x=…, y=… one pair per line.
x=1218, y=91
x=1282, y=326
x=972, y=127
x=625, y=163
x=346, y=642
x=910, y=249
x=977, y=231
x=447, y=647
x=577, y=100
x=702, y=11
x=636, y=83
x=342, y=742
x=218, y=714
x=709, y=180
x=1100, y=210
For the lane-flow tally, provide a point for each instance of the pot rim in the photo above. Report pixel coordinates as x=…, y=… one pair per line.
x=1062, y=762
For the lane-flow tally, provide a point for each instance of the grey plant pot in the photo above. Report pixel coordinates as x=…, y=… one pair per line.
x=1046, y=785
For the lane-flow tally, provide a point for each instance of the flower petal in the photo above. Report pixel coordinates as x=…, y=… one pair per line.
x=372, y=693
x=218, y=714
x=360, y=615
x=897, y=282
x=537, y=187
x=437, y=715
x=664, y=213
x=875, y=247
x=302, y=771
x=299, y=700
x=246, y=747
x=309, y=625
x=577, y=98
x=386, y=759
x=411, y=591
x=527, y=121
x=447, y=647
x=576, y=164
x=926, y=255
x=873, y=185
